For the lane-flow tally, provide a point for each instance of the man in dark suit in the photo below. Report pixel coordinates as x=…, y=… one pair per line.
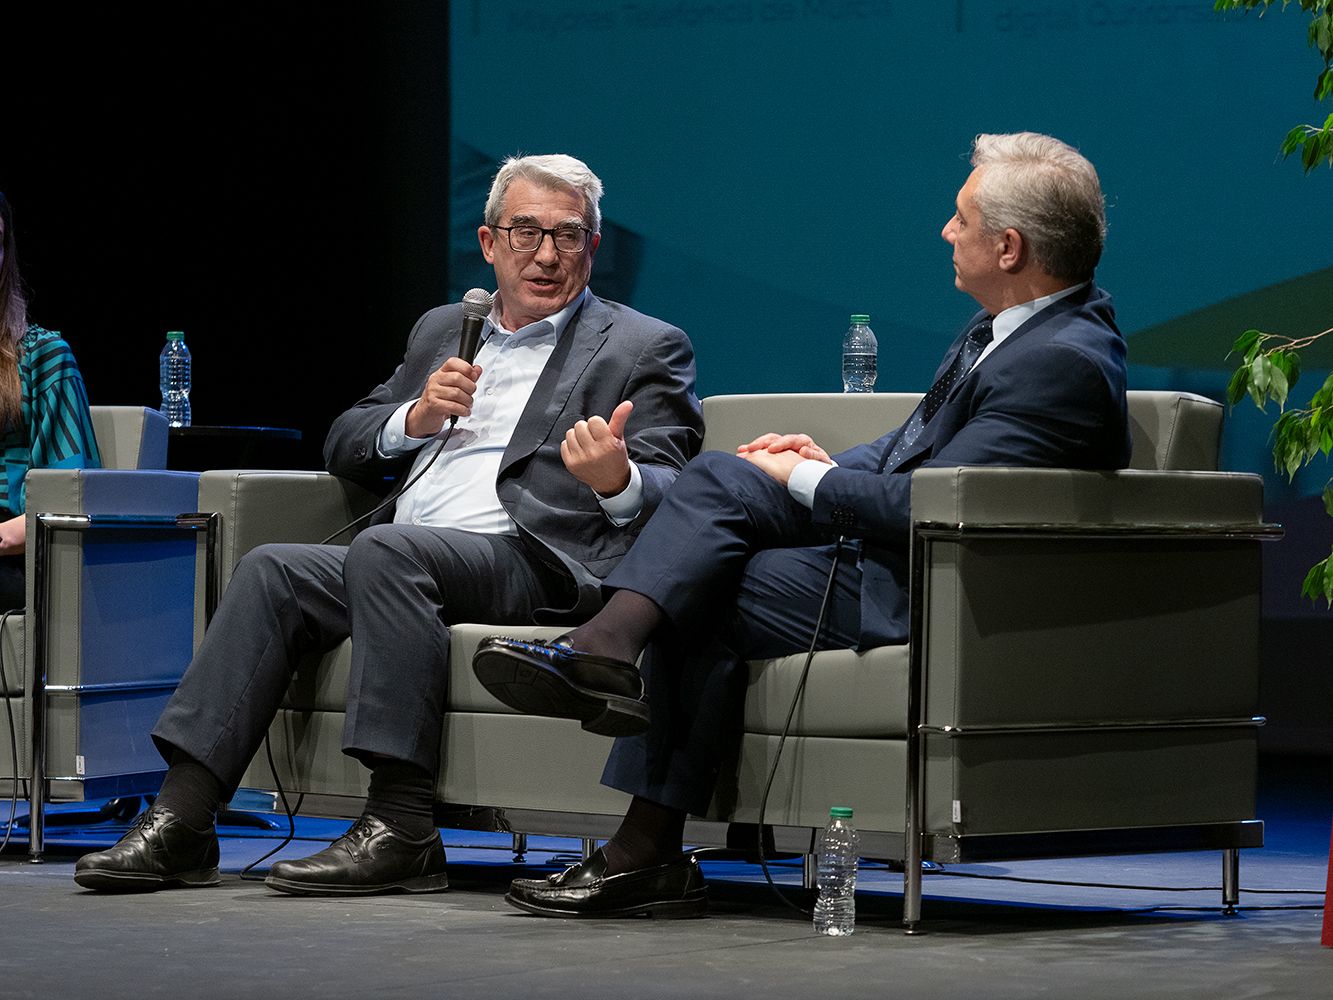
x=734, y=563
x=519, y=498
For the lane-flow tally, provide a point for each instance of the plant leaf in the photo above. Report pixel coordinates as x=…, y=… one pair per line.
x=1245, y=345
x=1239, y=384
x=1294, y=140
x=1324, y=85
x=1289, y=362
x=1261, y=373
x=1316, y=583
x=1277, y=386
x=1310, y=156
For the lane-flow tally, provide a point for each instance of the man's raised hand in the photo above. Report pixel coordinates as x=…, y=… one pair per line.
x=594, y=451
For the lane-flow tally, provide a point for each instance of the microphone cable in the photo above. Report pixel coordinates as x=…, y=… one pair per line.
x=453, y=422
x=291, y=813
x=786, y=728
x=477, y=305
x=286, y=808
x=13, y=737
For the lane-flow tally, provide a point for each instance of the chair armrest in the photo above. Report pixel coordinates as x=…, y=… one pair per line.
x=1142, y=605
x=995, y=496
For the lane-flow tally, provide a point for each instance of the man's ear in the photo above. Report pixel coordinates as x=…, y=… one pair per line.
x=1012, y=250
x=487, y=240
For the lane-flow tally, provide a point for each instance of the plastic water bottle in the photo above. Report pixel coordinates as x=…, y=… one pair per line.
x=860, y=356
x=174, y=380
x=839, y=848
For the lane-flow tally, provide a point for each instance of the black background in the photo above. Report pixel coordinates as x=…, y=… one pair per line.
x=271, y=179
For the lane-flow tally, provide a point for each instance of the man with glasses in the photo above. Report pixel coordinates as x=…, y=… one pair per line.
x=737, y=559
x=528, y=473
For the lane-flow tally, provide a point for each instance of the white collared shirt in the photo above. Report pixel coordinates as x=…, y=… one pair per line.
x=1009, y=320
x=459, y=490
x=805, y=476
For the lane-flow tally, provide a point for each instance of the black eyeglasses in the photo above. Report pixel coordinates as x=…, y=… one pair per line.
x=526, y=239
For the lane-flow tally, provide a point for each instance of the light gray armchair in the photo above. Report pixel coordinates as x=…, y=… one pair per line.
x=1081, y=676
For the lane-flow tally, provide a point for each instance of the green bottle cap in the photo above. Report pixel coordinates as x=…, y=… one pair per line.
x=175, y=334
x=860, y=318
x=840, y=812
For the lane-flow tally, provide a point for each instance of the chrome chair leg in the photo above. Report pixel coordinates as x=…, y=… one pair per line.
x=1230, y=881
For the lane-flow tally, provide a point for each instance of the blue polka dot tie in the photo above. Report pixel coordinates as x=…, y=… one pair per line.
x=973, y=344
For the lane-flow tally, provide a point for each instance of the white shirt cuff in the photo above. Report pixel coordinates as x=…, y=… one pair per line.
x=625, y=506
x=804, y=479
x=394, y=440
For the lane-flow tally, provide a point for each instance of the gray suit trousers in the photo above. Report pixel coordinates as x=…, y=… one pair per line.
x=396, y=590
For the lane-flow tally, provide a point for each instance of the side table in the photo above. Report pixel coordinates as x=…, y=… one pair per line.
x=198, y=448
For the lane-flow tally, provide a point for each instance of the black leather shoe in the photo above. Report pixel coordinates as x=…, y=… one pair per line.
x=551, y=678
x=158, y=852
x=675, y=889
x=369, y=858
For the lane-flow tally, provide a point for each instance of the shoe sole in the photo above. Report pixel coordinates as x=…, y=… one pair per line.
x=539, y=690
x=425, y=883
x=105, y=880
x=667, y=909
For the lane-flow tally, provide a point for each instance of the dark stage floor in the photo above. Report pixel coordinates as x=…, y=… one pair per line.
x=988, y=936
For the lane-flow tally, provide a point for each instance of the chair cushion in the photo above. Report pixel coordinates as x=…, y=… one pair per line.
x=878, y=678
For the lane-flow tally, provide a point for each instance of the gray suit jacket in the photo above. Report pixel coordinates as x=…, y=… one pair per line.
x=607, y=353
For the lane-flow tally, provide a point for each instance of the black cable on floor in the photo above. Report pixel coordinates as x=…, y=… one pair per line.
x=291, y=815
x=786, y=728
x=268, y=746
x=13, y=736
x=1116, y=885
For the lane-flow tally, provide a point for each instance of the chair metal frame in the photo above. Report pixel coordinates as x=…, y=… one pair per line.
x=920, y=846
x=47, y=525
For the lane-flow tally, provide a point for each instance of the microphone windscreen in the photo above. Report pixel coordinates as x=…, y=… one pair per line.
x=477, y=303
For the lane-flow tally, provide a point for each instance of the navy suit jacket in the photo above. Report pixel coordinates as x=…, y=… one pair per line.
x=607, y=353
x=1051, y=394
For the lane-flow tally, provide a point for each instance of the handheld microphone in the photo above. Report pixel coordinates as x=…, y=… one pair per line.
x=476, y=307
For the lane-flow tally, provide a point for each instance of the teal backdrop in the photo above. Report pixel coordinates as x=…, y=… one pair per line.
x=772, y=166
x=294, y=184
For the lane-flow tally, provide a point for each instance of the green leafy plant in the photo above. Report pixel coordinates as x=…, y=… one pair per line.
x=1270, y=363
x=1315, y=142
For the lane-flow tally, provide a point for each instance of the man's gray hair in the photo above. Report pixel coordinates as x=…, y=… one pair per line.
x=1050, y=193
x=555, y=170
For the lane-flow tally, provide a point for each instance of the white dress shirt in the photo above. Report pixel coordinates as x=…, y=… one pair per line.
x=459, y=490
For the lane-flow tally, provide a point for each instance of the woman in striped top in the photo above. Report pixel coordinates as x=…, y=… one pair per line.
x=43, y=412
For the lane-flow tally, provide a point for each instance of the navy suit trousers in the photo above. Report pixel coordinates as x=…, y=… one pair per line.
x=739, y=570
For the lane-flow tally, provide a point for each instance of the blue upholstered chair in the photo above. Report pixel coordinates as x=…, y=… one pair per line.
x=109, y=623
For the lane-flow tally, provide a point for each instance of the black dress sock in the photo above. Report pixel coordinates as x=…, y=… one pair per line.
x=403, y=796
x=650, y=834
x=191, y=791
x=621, y=629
